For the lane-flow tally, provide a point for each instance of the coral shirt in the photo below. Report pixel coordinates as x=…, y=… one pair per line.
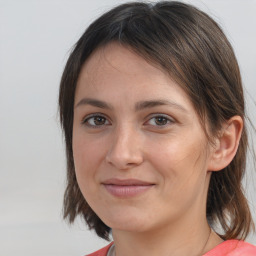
x=233, y=248
x=226, y=248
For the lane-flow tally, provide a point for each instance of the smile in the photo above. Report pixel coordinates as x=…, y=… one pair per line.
x=126, y=188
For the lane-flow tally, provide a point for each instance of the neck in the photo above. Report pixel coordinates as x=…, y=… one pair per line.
x=189, y=239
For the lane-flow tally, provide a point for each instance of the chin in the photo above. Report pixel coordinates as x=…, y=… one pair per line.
x=128, y=223
x=130, y=227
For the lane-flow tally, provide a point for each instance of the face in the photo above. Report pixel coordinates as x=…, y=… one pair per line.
x=140, y=152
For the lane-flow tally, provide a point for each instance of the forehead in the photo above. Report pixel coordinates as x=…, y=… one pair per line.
x=116, y=59
x=118, y=66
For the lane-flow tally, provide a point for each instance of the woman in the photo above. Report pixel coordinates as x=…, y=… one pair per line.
x=151, y=103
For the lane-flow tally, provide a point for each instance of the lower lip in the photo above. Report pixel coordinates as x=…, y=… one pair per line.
x=127, y=191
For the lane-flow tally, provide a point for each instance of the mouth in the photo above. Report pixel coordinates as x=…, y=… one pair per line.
x=126, y=188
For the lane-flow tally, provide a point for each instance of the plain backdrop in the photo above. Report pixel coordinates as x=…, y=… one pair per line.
x=35, y=40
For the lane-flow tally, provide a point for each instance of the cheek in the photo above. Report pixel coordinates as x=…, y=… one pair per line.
x=178, y=159
x=87, y=157
x=86, y=152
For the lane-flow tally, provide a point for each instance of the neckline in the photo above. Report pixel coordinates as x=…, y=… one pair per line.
x=224, y=246
x=111, y=250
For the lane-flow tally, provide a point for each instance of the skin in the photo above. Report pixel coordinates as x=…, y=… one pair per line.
x=162, y=144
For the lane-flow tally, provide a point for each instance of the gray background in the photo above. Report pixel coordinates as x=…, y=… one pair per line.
x=35, y=39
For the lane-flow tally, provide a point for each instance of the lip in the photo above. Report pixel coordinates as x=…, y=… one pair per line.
x=126, y=188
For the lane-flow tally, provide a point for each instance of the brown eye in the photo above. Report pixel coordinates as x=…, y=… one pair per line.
x=160, y=120
x=95, y=121
x=98, y=120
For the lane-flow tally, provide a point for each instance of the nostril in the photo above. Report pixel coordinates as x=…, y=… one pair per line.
x=124, y=161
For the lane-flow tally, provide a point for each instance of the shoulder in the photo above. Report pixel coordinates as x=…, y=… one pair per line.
x=102, y=252
x=233, y=248
x=244, y=248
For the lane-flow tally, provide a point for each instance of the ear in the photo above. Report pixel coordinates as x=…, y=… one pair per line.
x=226, y=144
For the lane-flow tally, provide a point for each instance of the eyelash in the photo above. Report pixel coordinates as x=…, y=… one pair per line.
x=87, y=119
x=164, y=117
x=99, y=115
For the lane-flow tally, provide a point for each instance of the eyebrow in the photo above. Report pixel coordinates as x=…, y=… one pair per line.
x=154, y=103
x=138, y=106
x=93, y=102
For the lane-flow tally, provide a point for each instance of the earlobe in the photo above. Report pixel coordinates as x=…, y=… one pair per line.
x=226, y=144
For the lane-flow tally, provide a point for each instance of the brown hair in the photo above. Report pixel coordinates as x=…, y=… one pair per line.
x=189, y=45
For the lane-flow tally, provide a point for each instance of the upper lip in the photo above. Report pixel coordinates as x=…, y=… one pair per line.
x=126, y=182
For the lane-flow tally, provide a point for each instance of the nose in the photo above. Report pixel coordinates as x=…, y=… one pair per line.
x=125, y=151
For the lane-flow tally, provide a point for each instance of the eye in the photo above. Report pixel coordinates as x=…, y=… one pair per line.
x=96, y=121
x=160, y=120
